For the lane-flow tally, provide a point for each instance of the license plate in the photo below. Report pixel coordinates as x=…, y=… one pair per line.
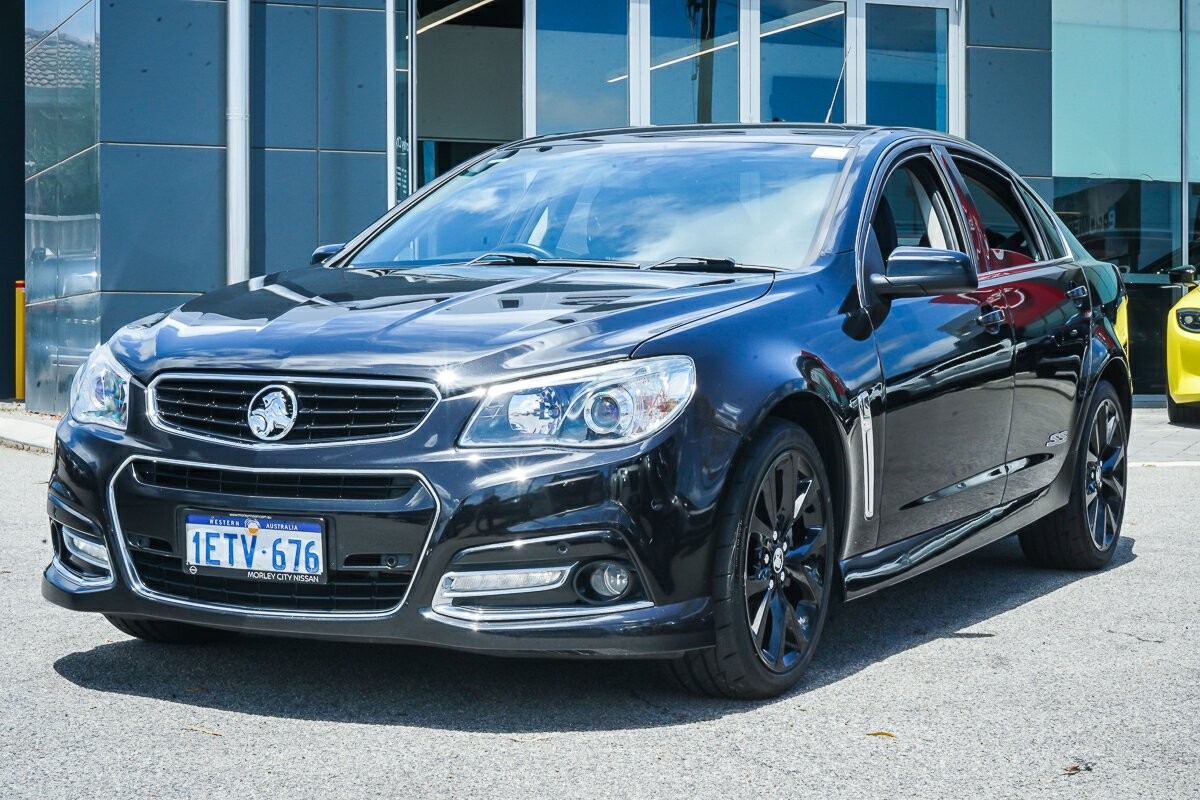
x=258, y=548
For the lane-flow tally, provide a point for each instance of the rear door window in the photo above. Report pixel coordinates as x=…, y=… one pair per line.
x=1051, y=237
x=1010, y=235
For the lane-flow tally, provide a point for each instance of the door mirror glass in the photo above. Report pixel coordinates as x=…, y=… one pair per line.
x=924, y=271
x=325, y=252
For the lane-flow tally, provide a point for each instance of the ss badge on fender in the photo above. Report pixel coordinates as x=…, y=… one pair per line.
x=1056, y=439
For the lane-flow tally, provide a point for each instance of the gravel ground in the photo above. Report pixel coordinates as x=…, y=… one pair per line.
x=987, y=678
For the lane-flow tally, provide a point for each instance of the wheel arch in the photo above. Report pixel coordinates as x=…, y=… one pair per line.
x=1116, y=372
x=813, y=413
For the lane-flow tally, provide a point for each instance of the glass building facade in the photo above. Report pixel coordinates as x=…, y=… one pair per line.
x=356, y=103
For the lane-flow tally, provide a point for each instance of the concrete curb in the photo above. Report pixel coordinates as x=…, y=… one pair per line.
x=33, y=436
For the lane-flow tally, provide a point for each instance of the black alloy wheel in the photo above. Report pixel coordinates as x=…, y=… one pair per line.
x=1106, y=472
x=774, y=569
x=1084, y=533
x=785, y=565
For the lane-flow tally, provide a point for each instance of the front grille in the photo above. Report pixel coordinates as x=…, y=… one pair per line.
x=345, y=591
x=326, y=411
x=303, y=485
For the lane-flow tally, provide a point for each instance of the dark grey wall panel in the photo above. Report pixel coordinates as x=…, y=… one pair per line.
x=1009, y=23
x=163, y=224
x=163, y=72
x=283, y=76
x=283, y=209
x=1009, y=110
x=352, y=80
x=353, y=193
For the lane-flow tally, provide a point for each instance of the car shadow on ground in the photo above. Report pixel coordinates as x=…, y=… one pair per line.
x=426, y=687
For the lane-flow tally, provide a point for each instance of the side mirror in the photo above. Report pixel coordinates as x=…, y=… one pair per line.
x=1183, y=276
x=924, y=271
x=324, y=253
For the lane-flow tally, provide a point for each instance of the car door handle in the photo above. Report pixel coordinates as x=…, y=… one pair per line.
x=1078, y=292
x=992, y=319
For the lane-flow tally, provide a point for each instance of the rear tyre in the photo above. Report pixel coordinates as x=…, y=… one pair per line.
x=1084, y=533
x=773, y=570
x=1183, y=413
x=166, y=632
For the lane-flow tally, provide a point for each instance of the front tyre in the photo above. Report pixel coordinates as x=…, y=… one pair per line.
x=1182, y=413
x=1083, y=534
x=773, y=570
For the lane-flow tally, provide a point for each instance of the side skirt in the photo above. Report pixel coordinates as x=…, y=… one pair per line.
x=869, y=572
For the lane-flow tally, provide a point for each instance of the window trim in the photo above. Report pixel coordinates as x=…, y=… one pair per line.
x=1029, y=195
x=1043, y=259
x=891, y=159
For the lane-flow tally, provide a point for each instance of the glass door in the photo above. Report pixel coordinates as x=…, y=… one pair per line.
x=905, y=64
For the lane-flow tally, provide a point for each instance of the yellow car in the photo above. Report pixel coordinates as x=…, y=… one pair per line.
x=1183, y=351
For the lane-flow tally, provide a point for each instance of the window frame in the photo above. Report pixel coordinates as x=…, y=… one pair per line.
x=975, y=160
x=1031, y=197
x=882, y=170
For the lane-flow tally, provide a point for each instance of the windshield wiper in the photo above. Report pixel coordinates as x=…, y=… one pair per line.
x=522, y=259
x=706, y=264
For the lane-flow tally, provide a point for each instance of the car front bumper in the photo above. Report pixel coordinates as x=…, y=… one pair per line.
x=649, y=506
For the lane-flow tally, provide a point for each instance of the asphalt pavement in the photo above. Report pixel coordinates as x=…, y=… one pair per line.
x=987, y=678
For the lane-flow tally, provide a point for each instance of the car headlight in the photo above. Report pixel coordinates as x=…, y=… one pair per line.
x=1189, y=319
x=609, y=405
x=100, y=391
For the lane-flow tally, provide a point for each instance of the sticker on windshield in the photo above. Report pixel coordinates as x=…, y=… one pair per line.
x=835, y=153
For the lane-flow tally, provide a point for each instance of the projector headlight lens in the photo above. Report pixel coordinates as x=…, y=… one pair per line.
x=609, y=405
x=100, y=391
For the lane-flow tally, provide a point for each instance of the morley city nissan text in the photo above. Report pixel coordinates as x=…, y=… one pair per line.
x=657, y=393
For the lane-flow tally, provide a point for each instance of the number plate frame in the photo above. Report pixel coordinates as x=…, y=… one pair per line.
x=262, y=571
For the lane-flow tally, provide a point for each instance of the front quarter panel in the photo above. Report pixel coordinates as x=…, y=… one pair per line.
x=809, y=338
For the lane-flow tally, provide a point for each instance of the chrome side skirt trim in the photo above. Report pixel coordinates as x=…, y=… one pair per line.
x=141, y=589
x=157, y=421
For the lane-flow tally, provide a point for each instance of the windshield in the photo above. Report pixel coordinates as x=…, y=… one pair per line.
x=643, y=202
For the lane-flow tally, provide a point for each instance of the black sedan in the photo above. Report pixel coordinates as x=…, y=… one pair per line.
x=661, y=393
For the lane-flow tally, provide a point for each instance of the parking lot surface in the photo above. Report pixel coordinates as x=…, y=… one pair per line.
x=987, y=678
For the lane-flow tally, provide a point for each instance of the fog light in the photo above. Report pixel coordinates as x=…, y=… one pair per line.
x=85, y=549
x=609, y=581
x=461, y=584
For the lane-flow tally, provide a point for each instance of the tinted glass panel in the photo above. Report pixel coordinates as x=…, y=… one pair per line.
x=1009, y=236
x=1049, y=230
x=906, y=66
x=1117, y=184
x=582, y=65
x=912, y=210
x=803, y=58
x=693, y=61
x=637, y=202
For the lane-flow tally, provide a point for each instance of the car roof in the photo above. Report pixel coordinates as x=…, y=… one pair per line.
x=869, y=136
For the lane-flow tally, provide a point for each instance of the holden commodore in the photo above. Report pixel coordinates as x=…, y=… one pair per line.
x=663, y=393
